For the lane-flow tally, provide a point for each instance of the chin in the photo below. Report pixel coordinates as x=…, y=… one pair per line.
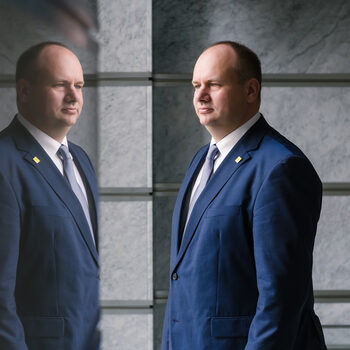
x=206, y=120
x=70, y=121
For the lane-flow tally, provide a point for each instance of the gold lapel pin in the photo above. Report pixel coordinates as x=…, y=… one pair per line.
x=238, y=159
x=36, y=160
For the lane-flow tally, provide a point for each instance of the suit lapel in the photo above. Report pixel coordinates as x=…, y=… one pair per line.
x=35, y=155
x=185, y=187
x=88, y=176
x=238, y=156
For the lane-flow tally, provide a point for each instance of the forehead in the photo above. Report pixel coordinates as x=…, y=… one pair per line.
x=217, y=62
x=57, y=61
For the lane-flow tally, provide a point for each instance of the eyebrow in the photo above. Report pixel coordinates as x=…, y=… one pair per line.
x=66, y=81
x=209, y=80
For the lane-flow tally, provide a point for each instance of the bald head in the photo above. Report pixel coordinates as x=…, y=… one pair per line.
x=247, y=65
x=26, y=66
x=51, y=97
x=56, y=60
x=223, y=102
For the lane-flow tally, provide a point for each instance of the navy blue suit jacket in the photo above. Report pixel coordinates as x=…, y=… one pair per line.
x=48, y=261
x=242, y=276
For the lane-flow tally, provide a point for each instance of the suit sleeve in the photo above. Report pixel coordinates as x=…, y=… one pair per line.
x=11, y=329
x=285, y=217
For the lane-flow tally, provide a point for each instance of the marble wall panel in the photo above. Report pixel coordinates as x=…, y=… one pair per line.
x=289, y=37
x=127, y=331
x=20, y=29
x=125, y=136
x=162, y=213
x=332, y=245
x=126, y=250
x=333, y=313
x=177, y=133
x=125, y=36
x=8, y=106
x=315, y=118
x=338, y=337
x=84, y=132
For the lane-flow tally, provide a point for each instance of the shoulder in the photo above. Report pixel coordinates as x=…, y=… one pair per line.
x=281, y=160
x=276, y=149
x=278, y=156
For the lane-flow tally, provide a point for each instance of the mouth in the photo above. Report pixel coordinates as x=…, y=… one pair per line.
x=205, y=110
x=70, y=110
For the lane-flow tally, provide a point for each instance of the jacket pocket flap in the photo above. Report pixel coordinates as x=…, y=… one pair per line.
x=230, y=326
x=43, y=326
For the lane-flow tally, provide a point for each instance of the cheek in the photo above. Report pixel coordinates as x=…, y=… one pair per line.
x=222, y=101
x=53, y=100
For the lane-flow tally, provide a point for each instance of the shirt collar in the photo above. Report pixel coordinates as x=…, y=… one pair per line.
x=49, y=144
x=229, y=141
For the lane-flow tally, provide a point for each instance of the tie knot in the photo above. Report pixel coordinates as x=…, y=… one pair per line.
x=63, y=152
x=213, y=151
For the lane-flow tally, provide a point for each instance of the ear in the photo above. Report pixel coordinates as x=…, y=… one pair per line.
x=23, y=88
x=252, y=90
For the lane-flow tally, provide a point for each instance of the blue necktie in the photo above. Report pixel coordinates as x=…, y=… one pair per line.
x=206, y=174
x=68, y=169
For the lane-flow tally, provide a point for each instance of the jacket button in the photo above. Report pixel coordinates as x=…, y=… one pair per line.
x=174, y=276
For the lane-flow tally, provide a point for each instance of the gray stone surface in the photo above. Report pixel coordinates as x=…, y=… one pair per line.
x=290, y=36
x=125, y=136
x=318, y=121
x=332, y=245
x=158, y=317
x=162, y=213
x=127, y=331
x=177, y=133
x=315, y=118
x=125, y=36
x=8, y=106
x=333, y=313
x=337, y=336
x=126, y=250
x=84, y=132
x=20, y=29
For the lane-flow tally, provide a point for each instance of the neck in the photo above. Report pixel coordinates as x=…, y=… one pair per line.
x=57, y=133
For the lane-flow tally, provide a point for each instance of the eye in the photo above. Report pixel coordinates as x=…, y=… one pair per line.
x=59, y=84
x=78, y=86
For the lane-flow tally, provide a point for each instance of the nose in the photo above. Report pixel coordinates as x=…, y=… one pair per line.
x=71, y=94
x=202, y=94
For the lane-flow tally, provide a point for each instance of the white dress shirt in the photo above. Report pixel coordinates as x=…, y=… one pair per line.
x=225, y=145
x=51, y=147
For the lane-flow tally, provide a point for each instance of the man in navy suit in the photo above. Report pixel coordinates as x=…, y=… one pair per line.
x=48, y=212
x=244, y=223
